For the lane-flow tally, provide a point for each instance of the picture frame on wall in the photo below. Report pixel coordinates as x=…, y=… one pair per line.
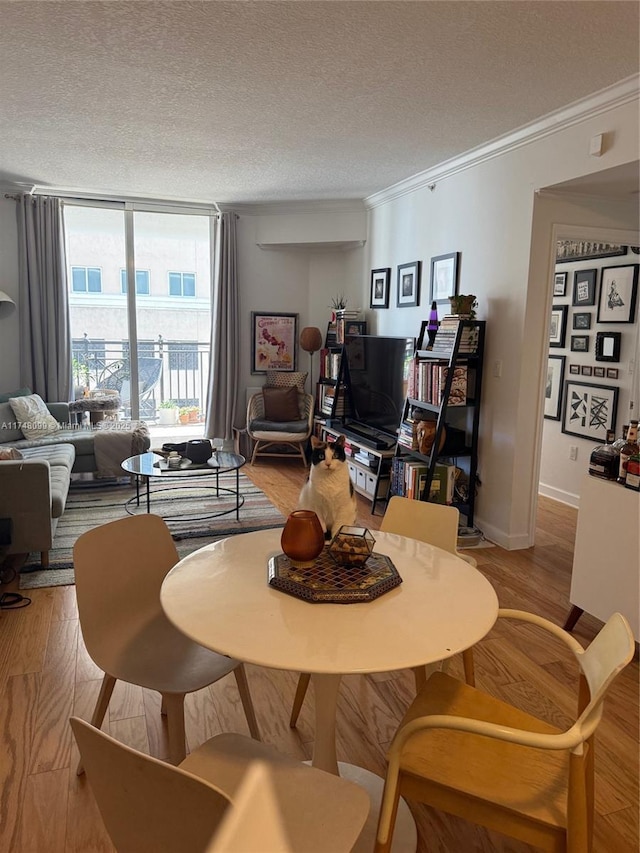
x=560, y=284
x=584, y=287
x=583, y=250
x=589, y=410
x=579, y=343
x=618, y=294
x=553, y=387
x=586, y=370
x=612, y=372
x=582, y=320
x=408, y=285
x=608, y=346
x=274, y=339
x=599, y=371
x=380, y=281
x=574, y=368
x=444, y=277
x=558, y=326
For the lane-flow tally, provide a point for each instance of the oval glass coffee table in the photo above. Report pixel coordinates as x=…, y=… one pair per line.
x=150, y=466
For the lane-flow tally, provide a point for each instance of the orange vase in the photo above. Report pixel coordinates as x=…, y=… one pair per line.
x=302, y=538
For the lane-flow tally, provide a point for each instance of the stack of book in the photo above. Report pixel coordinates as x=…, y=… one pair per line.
x=409, y=478
x=428, y=380
x=446, y=336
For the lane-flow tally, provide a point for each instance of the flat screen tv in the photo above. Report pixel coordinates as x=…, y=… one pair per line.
x=378, y=374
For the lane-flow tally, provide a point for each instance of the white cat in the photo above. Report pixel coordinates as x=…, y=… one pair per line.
x=329, y=491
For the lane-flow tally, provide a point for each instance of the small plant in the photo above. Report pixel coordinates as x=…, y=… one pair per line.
x=464, y=304
x=338, y=303
x=168, y=404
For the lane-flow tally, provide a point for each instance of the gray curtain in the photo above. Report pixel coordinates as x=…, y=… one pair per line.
x=224, y=362
x=45, y=341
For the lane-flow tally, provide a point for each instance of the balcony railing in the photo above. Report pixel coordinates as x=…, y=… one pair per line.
x=167, y=370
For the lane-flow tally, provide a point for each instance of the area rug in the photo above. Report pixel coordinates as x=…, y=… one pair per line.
x=88, y=508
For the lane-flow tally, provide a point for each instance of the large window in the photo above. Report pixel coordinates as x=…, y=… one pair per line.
x=86, y=279
x=143, y=279
x=182, y=284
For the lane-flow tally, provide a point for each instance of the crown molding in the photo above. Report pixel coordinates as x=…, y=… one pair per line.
x=284, y=208
x=328, y=246
x=614, y=96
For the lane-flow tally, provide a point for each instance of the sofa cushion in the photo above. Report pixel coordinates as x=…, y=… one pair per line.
x=9, y=426
x=21, y=392
x=62, y=455
x=35, y=419
x=281, y=404
x=9, y=453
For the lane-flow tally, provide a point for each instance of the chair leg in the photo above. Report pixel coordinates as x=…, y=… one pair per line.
x=420, y=677
x=387, y=816
x=301, y=691
x=174, y=704
x=469, y=667
x=255, y=451
x=102, y=703
x=247, y=703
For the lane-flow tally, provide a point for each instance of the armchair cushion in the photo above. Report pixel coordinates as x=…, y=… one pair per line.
x=286, y=379
x=281, y=404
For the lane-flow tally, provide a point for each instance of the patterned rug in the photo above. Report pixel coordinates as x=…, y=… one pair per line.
x=187, y=500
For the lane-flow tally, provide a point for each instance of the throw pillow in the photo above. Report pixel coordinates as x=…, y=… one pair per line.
x=9, y=453
x=33, y=416
x=281, y=404
x=286, y=379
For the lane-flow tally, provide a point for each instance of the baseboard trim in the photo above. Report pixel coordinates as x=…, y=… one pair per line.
x=559, y=495
x=517, y=542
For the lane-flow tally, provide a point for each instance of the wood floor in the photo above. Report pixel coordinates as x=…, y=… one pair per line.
x=45, y=676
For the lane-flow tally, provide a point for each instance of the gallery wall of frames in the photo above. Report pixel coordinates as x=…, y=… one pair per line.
x=593, y=357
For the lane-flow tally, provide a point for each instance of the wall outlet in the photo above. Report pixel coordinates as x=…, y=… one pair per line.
x=497, y=369
x=573, y=452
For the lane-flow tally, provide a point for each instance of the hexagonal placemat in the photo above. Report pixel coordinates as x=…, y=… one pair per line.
x=327, y=582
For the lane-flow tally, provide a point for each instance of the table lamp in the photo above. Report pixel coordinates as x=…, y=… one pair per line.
x=311, y=341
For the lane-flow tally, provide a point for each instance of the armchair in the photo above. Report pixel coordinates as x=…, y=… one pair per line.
x=280, y=419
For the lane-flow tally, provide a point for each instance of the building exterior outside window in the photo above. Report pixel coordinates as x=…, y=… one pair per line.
x=182, y=284
x=86, y=279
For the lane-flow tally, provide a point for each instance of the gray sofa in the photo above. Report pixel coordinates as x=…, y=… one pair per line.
x=34, y=489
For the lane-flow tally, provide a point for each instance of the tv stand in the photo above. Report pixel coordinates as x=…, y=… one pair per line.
x=369, y=436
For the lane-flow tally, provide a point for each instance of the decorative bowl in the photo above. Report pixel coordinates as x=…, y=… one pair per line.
x=352, y=546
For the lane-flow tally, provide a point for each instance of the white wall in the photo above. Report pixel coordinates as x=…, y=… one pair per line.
x=490, y=213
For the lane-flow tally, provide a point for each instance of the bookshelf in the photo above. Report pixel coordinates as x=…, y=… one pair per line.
x=439, y=430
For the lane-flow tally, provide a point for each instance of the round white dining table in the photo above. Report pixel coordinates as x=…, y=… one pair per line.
x=219, y=596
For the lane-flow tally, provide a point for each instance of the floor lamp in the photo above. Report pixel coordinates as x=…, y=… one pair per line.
x=311, y=341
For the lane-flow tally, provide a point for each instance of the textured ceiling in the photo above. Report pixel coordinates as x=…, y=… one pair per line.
x=261, y=101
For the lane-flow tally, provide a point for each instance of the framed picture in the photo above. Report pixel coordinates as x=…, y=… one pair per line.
x=584, y=287
x=574, y=368
x=408, y=284
x=553, y=387
x=618, y=293
x=586, y=370
x=274, y=338
x=599, y=371
x=444, y=277
x=608, y=346
x=582, y=321
x=589, y=410
x=380, y=280
x=581, y=250
x=355, y=327
x=612, y=372
x=558, y=325
x=579, y=343
x=560, y=284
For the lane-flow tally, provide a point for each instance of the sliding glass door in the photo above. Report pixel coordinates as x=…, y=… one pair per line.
x=149, y=341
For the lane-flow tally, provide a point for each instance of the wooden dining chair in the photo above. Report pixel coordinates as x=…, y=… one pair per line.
x=433, y=523
x=471, y=755
x=149, y=806
x=119, y=569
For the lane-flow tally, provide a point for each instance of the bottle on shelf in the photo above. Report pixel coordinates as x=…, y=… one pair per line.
x=633, y=473
x=620, y=442
x=629, y=449
x=605, y=459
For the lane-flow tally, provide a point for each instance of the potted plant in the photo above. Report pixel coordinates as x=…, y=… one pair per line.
x=183, y=414
x=194, y=412
x=464, y=304
x=167, y=413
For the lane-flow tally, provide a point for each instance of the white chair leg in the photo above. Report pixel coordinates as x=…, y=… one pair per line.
x=102, y=703
x=247, y=703
x=174, y=704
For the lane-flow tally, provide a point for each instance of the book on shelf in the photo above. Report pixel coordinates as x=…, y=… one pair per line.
x=443, y=484
x=447, y=333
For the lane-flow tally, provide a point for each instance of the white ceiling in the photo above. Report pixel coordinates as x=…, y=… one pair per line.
x=271, y=101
